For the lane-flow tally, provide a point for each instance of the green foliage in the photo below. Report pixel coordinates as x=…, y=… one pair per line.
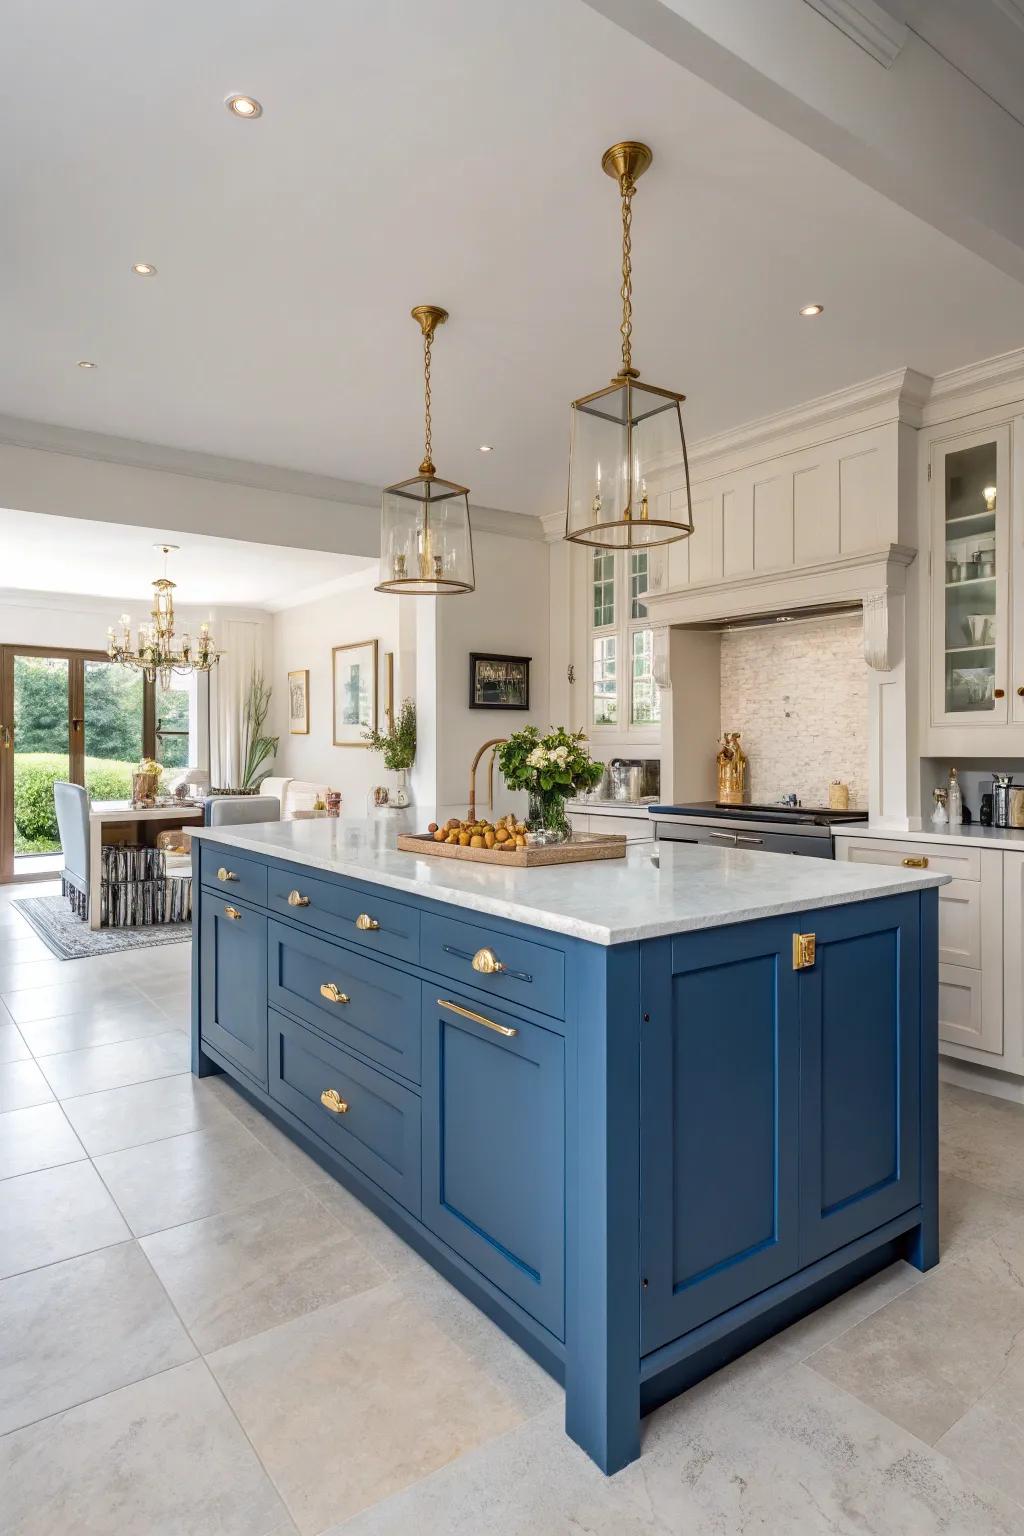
x=397, y=745
x=35, y=773
x=113, y=708
x=558, y=762
x=257, y=746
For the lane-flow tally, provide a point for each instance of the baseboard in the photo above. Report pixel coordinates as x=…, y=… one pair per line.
x=966, y=1074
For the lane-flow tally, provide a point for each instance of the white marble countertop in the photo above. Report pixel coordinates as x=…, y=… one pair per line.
x=670, y=888
x=985, y=837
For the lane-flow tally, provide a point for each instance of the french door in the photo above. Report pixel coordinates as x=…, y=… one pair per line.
x=64, y=714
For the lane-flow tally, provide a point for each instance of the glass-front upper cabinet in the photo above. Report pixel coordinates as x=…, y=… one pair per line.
x=970, y=570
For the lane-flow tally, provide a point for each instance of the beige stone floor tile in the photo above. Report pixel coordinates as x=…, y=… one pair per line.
x=927, y=1356
x=22, y=1085
x=77, y=1329
x=114, y=1066
x=298, y=1163
x=981, y=1139
x=12, y=1044
x=52, y=1002
x=74, y=1032
x=163, y=1457
x=55, y=1214
x=830, y=1322
x=969, y=1212
x=184, y=1178
x=348, y=1404
x=39, y=1137
x=248, y=1270
x=117, y=1118
x=987, y=1442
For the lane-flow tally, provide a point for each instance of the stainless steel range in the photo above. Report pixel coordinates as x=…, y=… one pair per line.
x=805, y=830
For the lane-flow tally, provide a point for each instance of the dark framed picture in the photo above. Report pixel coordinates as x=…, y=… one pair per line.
x=499, y=682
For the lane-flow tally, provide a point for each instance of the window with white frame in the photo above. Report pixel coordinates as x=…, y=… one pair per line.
x=624, y=692
x=606, y=684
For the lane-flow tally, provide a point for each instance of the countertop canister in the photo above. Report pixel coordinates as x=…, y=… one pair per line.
x=1016, y=806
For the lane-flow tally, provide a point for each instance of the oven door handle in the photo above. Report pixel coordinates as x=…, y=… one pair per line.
x=728, y=837
x=747, y=837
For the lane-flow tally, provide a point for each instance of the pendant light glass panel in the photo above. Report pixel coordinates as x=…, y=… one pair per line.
x=624, y=438
x=426, y=546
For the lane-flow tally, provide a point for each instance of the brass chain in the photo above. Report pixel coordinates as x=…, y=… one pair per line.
x=628, y=187
x=427, y=443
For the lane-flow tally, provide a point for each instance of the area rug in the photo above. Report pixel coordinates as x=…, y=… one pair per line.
x=69, y=938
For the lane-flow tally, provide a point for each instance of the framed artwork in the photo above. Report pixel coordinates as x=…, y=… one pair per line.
x=298, y=702
x=499, y=682
x=354, y=674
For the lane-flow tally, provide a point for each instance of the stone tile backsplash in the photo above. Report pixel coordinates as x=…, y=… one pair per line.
x=798, y=693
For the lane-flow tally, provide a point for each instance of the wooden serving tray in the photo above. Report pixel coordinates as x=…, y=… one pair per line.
x=584, y=845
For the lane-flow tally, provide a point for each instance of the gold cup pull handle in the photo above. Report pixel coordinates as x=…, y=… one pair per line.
x=233, y=913
x=486, y=962
x=921, y=863
x=331, y=1099
x=296, y=900
x=366, y=924
x=226, y=874
x=329, y=990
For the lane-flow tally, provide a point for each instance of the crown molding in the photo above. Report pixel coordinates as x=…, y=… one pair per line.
x=1013, y=10
x=973, y=387
x=553, y=524
x=866, y=24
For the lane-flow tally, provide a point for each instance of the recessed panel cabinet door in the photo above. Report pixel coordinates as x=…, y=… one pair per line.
x=494, y=1147
x=860, y=1071
x=233, y=971
x=719, y=1088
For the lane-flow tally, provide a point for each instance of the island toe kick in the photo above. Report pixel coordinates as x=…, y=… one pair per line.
x=639, y=1158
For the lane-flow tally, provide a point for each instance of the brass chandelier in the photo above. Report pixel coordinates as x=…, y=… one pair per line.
x=155, y=653
x=426, y=543
x=627, y=431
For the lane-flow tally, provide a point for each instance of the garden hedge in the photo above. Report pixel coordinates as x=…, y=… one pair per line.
x=35, y=773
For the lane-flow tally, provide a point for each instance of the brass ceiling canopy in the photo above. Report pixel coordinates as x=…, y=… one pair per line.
x=626, y=430
x=426, y=542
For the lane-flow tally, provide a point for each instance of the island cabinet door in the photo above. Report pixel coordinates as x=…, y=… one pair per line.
x=719, y=1080
x=233, y=984
x=860, y=1073
x=493, y=1147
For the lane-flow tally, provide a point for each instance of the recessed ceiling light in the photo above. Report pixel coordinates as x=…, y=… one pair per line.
x=85, y=363
x=144, y=269
x=243, y=106
x=486, y=447
x=809, y=310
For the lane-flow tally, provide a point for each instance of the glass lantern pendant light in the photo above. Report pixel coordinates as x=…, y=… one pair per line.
x=627, y=432
x=426, y=544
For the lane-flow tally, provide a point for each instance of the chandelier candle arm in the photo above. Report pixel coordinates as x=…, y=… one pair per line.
x=629, y=430
x=154, y=651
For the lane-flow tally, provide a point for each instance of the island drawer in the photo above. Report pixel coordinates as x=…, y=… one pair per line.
x=344, y=911
x=365, y=1005
x=963, y=861
x=515, y=970
x=370, y=1120
x=230, y=875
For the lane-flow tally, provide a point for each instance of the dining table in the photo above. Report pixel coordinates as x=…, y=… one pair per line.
x=109, y=813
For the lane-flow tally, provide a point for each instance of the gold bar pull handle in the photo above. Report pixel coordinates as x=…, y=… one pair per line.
x=295, y=900
x=366, y=924
x=921, y=863
x=332, y=994
x=803, y=951
x=233, y=913
x=331, y=1099
x=478, y=1018
x=226, y=874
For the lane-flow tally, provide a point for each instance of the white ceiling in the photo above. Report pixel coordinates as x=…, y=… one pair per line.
x=72, y=555
x=983, y=38
x=411, y=152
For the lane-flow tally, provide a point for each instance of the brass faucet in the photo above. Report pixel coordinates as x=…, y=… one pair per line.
x=494, y=743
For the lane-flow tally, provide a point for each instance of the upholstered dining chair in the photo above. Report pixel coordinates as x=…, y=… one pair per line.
x=72, y=806
x=234, y=810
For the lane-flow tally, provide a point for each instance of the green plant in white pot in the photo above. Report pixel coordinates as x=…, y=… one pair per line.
x=397, y=746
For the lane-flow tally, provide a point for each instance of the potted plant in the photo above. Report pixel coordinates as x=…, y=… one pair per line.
x=257, y=746
x=551, y=769
x=397, y=746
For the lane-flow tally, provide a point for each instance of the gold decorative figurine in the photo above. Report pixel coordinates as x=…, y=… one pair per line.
x=731, y=762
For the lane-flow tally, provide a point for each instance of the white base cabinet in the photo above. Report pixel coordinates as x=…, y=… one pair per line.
x=1013, y=963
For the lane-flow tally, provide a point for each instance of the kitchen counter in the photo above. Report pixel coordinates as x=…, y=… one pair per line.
x=985, y=837
x=674, y=888
x=644, y=1113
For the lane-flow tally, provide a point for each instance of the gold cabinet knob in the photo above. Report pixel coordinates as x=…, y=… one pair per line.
x=1020, y=692
x=295, y=900
x=999, y=693
x=331, y=1099
x=226, y=874
x=366, y=924
x=332, y=994
x=921, y=863
x=487, y=963
x=233, y=913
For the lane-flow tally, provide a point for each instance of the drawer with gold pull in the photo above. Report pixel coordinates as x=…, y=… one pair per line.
x=366, y=1005
x=232, y=875
x=509, y=968
x=359, y=1113
x=340, y=909
x=962, y=860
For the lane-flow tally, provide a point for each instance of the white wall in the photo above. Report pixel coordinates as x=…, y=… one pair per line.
x=303, y=637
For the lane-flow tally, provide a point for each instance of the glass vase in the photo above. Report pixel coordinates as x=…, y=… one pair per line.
x=546, y=820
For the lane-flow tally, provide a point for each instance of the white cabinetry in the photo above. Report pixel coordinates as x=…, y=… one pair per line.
x=1013, y=962
x=972, y=1007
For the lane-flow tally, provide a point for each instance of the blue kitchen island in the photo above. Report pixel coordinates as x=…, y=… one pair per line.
x=644, y=1113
